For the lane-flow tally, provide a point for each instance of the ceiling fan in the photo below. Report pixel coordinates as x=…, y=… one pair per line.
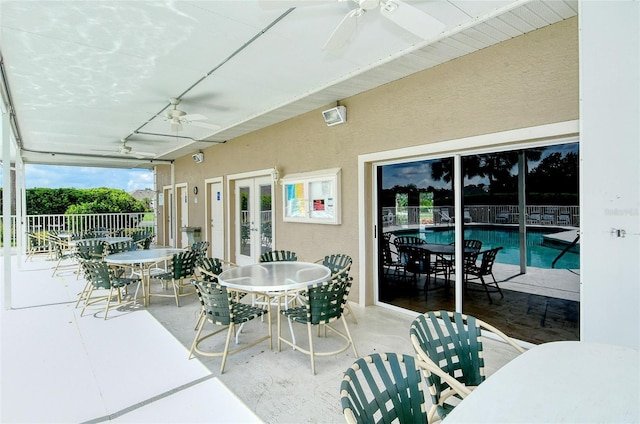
x=125, y=149
x=179, y=117
x=399, y=12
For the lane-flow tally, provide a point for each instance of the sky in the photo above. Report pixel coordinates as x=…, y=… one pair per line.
x=50, y=176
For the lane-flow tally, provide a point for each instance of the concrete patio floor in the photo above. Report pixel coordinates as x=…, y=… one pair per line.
x=134, y=366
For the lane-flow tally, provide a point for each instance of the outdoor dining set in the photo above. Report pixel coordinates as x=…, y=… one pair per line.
x=406, y=258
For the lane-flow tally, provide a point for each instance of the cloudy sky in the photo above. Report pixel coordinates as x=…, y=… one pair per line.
x=48, y=176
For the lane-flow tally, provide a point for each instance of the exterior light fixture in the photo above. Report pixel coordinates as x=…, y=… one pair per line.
x=335, y=115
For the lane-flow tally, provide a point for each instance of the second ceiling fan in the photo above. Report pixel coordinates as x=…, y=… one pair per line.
x=178, y=118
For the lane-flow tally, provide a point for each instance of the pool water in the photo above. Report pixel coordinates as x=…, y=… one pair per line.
x=538, y=255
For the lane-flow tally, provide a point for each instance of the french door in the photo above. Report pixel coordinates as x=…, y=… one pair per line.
x=254, y=211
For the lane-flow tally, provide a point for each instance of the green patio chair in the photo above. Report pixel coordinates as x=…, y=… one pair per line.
x=121, y=246
x=180, y=268
x=104, y=277
x=37, y=244
x=477, y=271
x=323, y=304
x=340, y=264
x=451, y=342
x=383, y=388
x=219, y=307
x=62, y=253
x=278, y=255
x=209, y=269
x=200, y=247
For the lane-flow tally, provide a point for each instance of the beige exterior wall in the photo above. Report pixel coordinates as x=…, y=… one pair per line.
x=527, y=81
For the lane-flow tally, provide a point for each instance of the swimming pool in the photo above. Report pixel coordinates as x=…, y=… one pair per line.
x=538, y=255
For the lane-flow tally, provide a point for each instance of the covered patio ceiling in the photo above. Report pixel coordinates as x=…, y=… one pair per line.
x=83, y=76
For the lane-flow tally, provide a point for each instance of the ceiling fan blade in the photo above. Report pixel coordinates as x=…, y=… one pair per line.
x=286, y=4
x=205, y=125
x=193, y=117
x=412, y=19
x=176, y=125
x=343, y=32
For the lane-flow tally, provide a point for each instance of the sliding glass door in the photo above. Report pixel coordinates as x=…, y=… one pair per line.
x=519, y=222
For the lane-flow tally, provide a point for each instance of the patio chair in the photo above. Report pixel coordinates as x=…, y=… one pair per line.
x=401, y=241
x=145, y=243
x=105, y=277
x=451, y=342
x=383, y=388
x=324, y=304
x=62, y=253
x=219, y=307
x=503, y=217
x=475, y=271
x=180, y=268
x=121, y=246
x=534, y=218
x=467, y=216
x=90, y=249
x=274, y=256
x=393, y=268
x=209, y=269
x=422, y=262
x=444, y=216
x=564, y=219
x=37, y=245
x=340, y=264
x=278, y=255
x=200, y=247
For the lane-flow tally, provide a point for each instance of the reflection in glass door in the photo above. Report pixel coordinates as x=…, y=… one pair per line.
x=254, y=220
x=520, y=207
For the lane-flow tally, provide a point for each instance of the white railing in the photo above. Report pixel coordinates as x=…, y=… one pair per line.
x=488, y=214
x=77, y=223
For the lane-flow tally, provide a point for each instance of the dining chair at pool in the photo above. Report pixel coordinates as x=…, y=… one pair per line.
x=383, y=388
x=393, y=268
x=478, y=271
x=323, y=304
x=219, y=307
x=452, y=342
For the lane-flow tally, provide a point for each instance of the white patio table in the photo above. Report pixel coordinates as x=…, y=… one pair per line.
x=274, y=279
x=572, y=382
x=144, y=260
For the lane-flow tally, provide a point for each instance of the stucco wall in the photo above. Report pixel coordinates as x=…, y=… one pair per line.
x=527, y=81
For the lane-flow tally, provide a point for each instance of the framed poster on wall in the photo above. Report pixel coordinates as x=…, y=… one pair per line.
x=312, y=197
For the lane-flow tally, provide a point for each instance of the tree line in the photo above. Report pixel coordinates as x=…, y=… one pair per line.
x=50, y=201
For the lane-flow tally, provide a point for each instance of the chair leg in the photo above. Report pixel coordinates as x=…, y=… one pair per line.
x=176, y=292
x=199, y=326
x=226, y=346
x=83, y=294
x=311, y=353
x=351, y=314
x=353, y=345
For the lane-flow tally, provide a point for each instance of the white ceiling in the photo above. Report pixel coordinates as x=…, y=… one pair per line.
x=82, y=75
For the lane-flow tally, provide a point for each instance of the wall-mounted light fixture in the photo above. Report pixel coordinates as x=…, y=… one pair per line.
x=335, y=115
x=198, y=157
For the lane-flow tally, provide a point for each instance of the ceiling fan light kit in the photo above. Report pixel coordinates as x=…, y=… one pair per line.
x=335, y=116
